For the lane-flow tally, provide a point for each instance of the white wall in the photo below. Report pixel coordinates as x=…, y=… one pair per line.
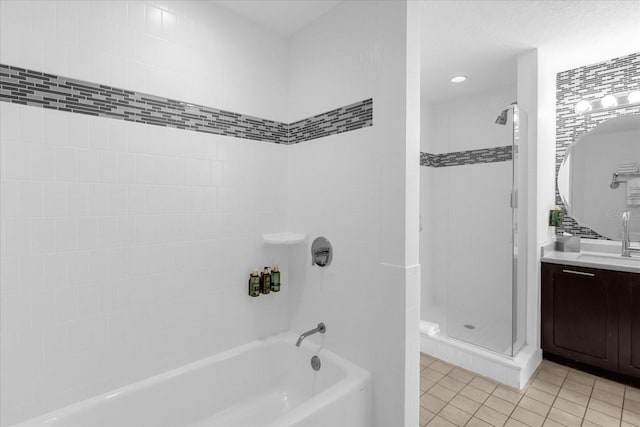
x=351, y=188
x=126, y=247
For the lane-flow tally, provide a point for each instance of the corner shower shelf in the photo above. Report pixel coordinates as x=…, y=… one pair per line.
x=286, y=238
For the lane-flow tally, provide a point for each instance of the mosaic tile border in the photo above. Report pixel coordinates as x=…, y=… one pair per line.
x=589, y=82
x=34, y=88
x=470, y=157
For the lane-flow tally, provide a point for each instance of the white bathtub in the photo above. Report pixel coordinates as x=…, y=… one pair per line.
x=264, y=383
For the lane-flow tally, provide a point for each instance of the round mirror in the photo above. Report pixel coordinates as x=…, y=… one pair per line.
x=596, y=179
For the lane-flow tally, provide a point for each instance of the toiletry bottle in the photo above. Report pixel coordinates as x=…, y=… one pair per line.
x=254, y=283
x=265, y=280
x=275, y=279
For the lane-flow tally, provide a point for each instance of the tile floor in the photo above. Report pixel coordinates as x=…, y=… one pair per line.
x=555, y=396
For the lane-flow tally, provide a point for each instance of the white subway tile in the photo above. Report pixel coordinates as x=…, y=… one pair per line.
x=108, y=298
x=77, y=201
x=30, y=199
x=87, y=233
x=42, y=162
x=66, y=234
x=56, y=57
x=66, y=159
x=78, y=130
x=10, y=281
x=118, y=72
x=153, y=20
x=118, y=197
x=98, y=130
x=15, y=160
x=55, y=128
x=98, y=199
x=66, y=305
x=87, y=165
x=79, y=62
x=43, y=238
x=43, y=311
x=99, y=63
x=55, y=199
x=78, y=268
x=31, y=50
x=56, y=271
x=136, y=199
x=118, y=134
x=32, y=273
x=9, y=122
x=107, y=232
x=88, y=303
x=107, y=166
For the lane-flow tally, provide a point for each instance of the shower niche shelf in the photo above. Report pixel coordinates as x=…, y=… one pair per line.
x=286, y=238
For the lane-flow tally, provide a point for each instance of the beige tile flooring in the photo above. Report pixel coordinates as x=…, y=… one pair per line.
x=555, y=396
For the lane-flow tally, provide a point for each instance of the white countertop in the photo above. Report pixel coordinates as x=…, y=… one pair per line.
x=604, y=255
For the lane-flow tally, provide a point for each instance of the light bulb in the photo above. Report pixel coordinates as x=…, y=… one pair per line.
x=458, y=79
x=634, y=97
x=583, y=106
x=609, y=101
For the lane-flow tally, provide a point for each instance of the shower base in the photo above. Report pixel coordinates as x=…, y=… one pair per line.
x=496, y=363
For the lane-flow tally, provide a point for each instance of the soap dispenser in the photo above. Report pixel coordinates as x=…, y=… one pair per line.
x=265, y=280
x=275, y=279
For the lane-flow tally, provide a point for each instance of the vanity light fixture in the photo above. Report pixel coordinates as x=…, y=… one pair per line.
x=608, y=102
x=583, y=106
x=458, y=79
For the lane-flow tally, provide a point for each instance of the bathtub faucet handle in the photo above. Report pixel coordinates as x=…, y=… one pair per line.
x=321, y=329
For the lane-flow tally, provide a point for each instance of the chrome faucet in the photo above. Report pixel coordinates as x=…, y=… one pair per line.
x=321, y=328
x=627, y=250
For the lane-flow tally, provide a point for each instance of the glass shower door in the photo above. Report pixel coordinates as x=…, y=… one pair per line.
x=484, y=300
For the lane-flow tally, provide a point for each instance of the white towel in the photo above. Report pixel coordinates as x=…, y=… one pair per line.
x=633, y=192
x=429, y=328
x=628, y=167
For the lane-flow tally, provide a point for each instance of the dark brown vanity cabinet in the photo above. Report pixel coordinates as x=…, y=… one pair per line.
x=592, y=317
x=629, y=335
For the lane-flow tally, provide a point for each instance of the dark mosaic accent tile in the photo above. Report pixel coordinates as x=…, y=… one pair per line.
x=344, y=119
x=589, y=82
x=470, y=157
x=29, y=87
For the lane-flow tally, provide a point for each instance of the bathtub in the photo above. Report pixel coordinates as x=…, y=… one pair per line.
x=264, y=383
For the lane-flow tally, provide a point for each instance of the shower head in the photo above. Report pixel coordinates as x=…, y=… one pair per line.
x=502, y=118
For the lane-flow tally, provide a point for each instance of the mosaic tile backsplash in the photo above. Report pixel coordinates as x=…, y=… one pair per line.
x=589, y=82
x=29, y=87
x=470, y=157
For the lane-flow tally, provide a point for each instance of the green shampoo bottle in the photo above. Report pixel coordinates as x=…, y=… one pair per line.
x=275, y=279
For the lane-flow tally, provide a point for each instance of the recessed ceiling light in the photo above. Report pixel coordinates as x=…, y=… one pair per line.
x=458, y=79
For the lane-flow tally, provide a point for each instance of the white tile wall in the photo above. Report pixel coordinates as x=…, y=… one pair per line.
x=187, y=50
x=129, y=258
x=99, y=264
x=350, y=188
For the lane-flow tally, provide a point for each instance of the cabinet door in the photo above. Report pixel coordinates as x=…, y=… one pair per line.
x=579, y=314
x=630, y=325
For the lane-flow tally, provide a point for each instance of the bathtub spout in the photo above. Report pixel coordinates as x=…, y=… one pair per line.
x=321, y=328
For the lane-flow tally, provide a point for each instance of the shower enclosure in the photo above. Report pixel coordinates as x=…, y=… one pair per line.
x=474, y=283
